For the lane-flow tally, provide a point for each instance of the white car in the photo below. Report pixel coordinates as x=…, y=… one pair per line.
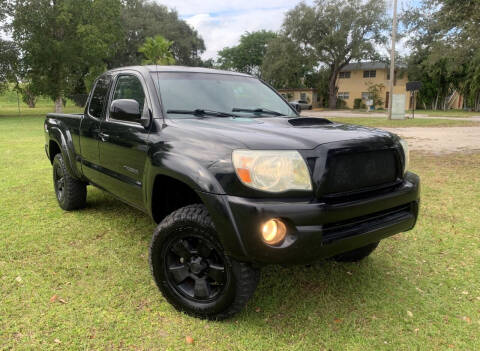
x=303, y=105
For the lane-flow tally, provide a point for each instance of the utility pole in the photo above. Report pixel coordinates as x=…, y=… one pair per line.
x=392, y=60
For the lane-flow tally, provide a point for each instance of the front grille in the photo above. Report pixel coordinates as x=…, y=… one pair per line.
x=350, y=172
x=354, y=226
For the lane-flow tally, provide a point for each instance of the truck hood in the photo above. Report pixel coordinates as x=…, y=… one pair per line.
x=279, y=133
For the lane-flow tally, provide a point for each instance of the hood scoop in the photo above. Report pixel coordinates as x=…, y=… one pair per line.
x=308, y=122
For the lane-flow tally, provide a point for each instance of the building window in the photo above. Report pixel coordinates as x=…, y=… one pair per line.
x=369, y=74
x=303, y=96
x=365, y=95
x=344, y=75
x=344, y=95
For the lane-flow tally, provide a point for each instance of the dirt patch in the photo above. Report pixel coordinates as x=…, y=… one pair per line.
x=440, y=140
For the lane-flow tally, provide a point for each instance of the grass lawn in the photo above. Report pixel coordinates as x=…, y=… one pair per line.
x=447, y=113
x=81, y=281
x=417, y=122
x=9, y=106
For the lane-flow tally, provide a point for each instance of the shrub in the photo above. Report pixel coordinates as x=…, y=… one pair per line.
x=357, y=103
x=341, y=103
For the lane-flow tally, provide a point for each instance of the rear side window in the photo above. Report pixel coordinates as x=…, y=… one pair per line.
x=99, y=97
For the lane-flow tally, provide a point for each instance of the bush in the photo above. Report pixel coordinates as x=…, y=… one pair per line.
x=341, y=103
x=357, y=103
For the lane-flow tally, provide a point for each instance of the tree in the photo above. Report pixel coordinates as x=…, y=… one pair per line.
x=375, y=93
x=284, y=65
x=141, y=19
x=445, y=55
x=157, y=51
x=8, y=63
x=62, y=39
x=248, y=55
x=335, y=33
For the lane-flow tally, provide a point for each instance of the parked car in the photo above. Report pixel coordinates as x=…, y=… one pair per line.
x=232, y=176
x=300, y=105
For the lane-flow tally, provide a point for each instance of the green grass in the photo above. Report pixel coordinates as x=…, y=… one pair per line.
x=9, y=106
x=419, y=291
x=417, y=122
x=447, y=113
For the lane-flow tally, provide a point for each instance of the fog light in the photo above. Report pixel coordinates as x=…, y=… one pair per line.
x=274, y=231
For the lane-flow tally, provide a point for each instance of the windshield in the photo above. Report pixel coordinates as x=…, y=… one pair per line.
x=242, y=96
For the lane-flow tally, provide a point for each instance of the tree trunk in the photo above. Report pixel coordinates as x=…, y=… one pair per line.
x=58, y=105
x=332, y=90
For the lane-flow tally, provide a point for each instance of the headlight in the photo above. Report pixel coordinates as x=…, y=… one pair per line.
x=406, y=153
x=272, y=171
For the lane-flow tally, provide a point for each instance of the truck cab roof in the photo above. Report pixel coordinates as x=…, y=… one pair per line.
x=182, y=69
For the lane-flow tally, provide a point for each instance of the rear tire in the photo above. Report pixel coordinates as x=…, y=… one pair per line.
x=71, y=193
x=191, y=270
x=357, y=254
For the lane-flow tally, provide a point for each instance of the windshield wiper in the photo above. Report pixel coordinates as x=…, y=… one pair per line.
x=258, y=110
x=202, y=112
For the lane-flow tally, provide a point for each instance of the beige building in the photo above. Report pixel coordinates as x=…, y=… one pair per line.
x=355, y=78
x=307, y=94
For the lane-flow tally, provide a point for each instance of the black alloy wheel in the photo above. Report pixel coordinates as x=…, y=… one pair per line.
x=195, y=268
x=71, y=193
x=193, y=272
x=59, y=181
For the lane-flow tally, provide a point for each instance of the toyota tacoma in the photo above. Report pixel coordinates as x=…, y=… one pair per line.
x=234, y=178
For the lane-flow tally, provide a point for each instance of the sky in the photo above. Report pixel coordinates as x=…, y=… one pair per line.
x=222, y=22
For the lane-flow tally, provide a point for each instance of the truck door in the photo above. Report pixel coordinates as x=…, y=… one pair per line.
x=124, y=144
x=90, y=128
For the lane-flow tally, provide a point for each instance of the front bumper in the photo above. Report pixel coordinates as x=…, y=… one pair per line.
x=318, y=229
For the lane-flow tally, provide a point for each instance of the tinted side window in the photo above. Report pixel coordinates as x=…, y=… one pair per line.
x=99, y=97
x=130, y=87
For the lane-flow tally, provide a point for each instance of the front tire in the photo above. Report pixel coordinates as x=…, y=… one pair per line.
x=357, y=254
x=71, y=193
x=191, y=270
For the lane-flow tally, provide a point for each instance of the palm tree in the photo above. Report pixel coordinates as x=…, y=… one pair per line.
x=157, y=51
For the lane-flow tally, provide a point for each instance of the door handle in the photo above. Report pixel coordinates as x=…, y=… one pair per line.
x=103, y=136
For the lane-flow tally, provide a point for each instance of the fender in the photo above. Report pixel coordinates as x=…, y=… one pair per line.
x=64, y=141
x=198, y=178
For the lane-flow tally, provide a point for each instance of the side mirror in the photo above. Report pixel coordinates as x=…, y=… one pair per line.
x=125, y=110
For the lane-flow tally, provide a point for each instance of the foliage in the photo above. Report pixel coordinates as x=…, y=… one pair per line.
x=375, y=92
x=284, y=66
x=357, y=103
x=157, y=51
x=248, y=55
x=141, y=19
x=445, y=38
x=334, y=33
x=61, y=40
x=340, y=104
x=8, y=63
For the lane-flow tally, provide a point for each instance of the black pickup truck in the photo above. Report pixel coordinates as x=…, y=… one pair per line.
x=232, y=175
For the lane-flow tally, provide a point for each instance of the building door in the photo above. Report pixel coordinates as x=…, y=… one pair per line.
x=387, y=96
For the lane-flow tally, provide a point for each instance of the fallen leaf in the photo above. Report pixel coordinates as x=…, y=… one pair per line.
x=416, y=330
x=465, y=292
x=18, y=279
x=410, y=314
x=62, y=300
x=467, y=319
x=349, y=273
x=53, y=298
x=189, y=340
x=337, y=320
x=257, y=309
x=57, y=341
